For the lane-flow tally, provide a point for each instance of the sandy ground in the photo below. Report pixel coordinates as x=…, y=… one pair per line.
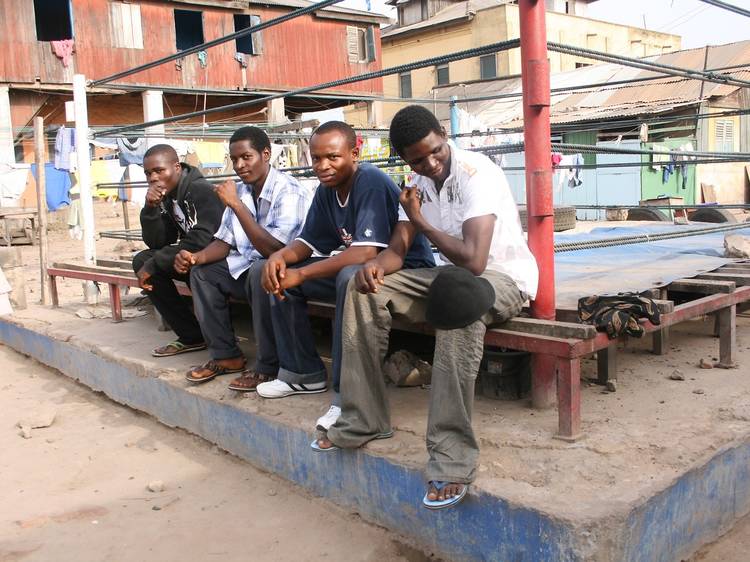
x=77, y=490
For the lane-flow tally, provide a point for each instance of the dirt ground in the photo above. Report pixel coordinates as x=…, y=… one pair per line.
x=638, y=439
x=77, y=491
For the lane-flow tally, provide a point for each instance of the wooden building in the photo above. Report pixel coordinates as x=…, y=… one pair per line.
x=46, y=42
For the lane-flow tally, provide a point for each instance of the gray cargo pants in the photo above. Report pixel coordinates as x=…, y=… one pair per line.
x=367, y=322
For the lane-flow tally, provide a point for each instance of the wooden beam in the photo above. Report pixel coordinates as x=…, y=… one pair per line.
x=118, y=271
x=741, y=280
x=702, y=286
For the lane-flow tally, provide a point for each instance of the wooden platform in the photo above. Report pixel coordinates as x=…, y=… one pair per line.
x=566, y=340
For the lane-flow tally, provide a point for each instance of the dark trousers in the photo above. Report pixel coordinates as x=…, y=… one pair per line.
x=212, y=287
x=298, y=357
x=165, y=298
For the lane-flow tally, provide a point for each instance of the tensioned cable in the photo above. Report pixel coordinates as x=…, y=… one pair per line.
x=730, y=7
x=643, y=238
x=219, y=41
x=306, y=172
x=434, y=61
x=647, y=65
x=460, y=55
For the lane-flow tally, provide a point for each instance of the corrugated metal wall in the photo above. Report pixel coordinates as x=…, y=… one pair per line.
x=301, y=52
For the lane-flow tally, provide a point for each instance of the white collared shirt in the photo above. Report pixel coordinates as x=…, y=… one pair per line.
x=475, y=187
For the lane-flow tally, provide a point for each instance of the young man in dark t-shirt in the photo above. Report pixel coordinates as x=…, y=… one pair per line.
x=355, y=206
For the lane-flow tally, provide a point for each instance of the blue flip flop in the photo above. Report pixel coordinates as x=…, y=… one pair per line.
x=435, y=504
x=317, y=448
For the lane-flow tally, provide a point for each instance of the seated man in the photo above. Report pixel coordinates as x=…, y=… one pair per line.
x=461, y=202
x=356, y=205
x=263, y=212
x=181, y=212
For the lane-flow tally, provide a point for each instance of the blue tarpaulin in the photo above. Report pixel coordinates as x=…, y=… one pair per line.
x=635, y=267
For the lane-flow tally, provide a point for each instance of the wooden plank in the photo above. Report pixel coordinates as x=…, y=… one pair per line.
x=120, y=264
x=731, y=269
x=702, y=286
x=549, y=328
x=94, y=269
x=606, y=363
x=727, y=318
x=568, y=399
x=741, y=280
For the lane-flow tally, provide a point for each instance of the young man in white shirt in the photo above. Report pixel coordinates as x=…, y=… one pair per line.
x=461, y=202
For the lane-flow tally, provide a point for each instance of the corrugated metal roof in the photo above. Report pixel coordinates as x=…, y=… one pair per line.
x=609, y=102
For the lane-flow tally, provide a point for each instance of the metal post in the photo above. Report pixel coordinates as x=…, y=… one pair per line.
x=83, y=165
x=41, y=202
x=535, y=81
x=454, y=117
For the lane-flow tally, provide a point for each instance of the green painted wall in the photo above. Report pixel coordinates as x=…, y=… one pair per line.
x=652, y=184
x=583, y=137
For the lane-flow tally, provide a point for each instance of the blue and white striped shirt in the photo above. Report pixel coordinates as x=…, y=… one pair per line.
x=282, y=207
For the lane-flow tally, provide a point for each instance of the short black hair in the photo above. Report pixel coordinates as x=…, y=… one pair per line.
x=257, y=138
x=162, y=150
x=410, y=125
x=343, y=128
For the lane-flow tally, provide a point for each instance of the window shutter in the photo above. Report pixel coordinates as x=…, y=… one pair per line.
x=256, y=37
x=352, y=43
x=370, y=43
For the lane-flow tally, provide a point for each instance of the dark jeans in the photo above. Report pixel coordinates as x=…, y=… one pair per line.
x=212, y=287
x=299, y=362
x=165, y=298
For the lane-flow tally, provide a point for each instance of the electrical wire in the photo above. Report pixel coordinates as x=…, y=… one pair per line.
x=433, y=61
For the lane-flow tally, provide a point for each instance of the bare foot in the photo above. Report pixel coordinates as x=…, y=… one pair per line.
x=448, y=491
x=324, y=443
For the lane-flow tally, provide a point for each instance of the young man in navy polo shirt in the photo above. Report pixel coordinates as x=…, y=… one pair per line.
x=356, y=206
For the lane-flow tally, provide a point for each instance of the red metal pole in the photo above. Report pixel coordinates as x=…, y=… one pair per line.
x=536, y=101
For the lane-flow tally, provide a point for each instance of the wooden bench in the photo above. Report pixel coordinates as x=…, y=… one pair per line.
x=566, y=340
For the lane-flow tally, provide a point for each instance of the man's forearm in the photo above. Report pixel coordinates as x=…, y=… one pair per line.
x=259, y=236
x=217, y=250
x=329, y=267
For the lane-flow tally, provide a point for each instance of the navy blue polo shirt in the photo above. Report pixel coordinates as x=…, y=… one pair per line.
x=366, y=218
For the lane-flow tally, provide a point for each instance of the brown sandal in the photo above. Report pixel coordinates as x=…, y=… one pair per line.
x=210, y=371
x=248, y=381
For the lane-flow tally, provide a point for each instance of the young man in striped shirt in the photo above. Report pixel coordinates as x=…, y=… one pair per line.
x=263, y=212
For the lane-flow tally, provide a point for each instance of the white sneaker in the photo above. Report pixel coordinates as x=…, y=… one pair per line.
x=328, y=419
x=280, y=389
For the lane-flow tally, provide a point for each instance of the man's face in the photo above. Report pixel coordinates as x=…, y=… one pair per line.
x=162, y=173
x=333, y=160
x=430, y=157
x=248, y=163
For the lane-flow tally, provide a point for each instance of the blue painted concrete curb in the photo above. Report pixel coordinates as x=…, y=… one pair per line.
x=675, y=522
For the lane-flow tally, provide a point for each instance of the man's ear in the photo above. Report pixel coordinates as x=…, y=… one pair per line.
x=443, y=132
x=355, y=153
x=266, y=154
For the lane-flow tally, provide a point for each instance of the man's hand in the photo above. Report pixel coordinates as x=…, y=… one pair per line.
x=155, y=195
x=144, y=279
x=227, y=194
x=273, y=273
x=411, y=201
x=184, y=260
x=292, y=278
x=369, y=278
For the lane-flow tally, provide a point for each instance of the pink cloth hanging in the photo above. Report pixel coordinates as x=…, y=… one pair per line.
x=63, y=50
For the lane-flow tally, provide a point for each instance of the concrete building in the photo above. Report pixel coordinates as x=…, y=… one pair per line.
x=428, y=28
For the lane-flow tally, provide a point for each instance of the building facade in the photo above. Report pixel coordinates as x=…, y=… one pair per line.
x=428, y=28
x=46, y=42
